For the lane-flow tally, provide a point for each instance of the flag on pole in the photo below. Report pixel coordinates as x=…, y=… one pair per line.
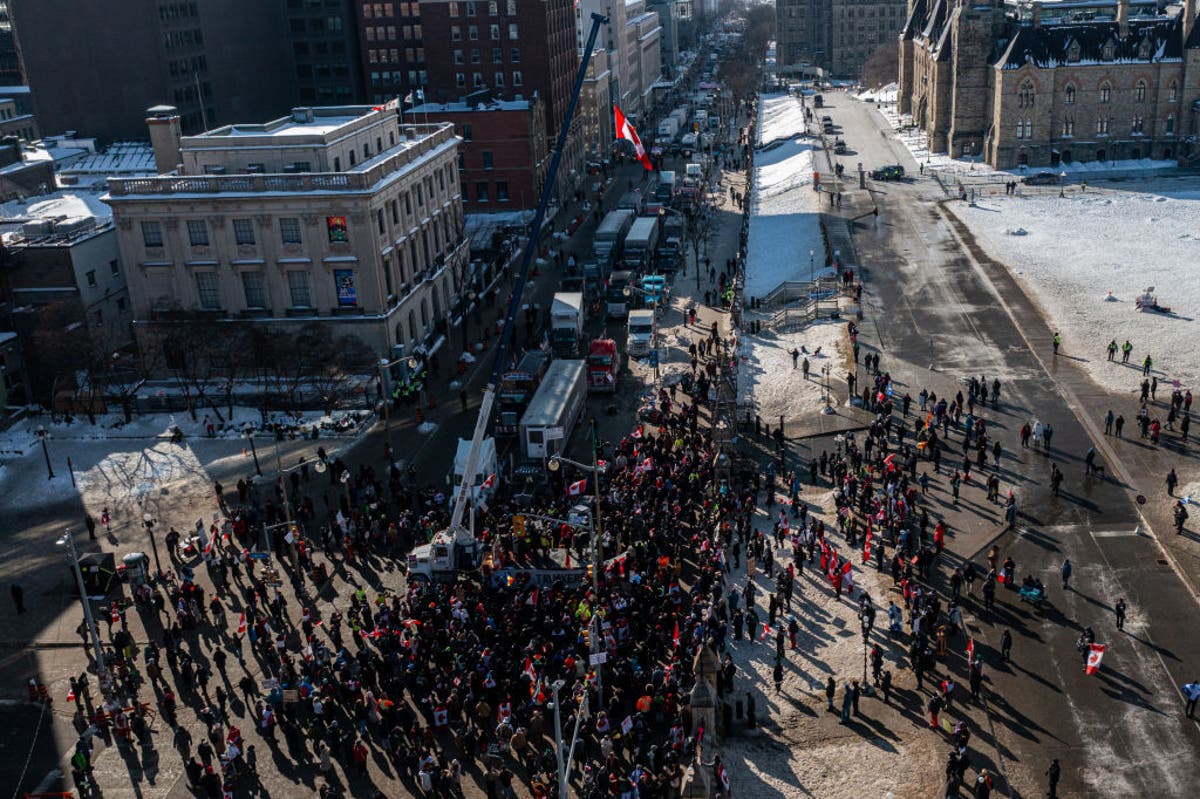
x=1095, y=655
x=970, y=649
x=533, y=598
x=577, y=488
x=242, y=625
x=625, y=131
x=491, y=481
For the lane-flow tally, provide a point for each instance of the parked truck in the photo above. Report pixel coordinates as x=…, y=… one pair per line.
x=602, y=366
x=610, y=236
x=670, y=243
x=668, y=129
x=516, y=388
x=664, y=191
x=640, y=244
x=446, y=558
x=640, y=338
x=566, y=323
x=554, y=410
x=614, y=294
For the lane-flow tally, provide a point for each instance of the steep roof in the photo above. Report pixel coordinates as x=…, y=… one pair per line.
x=1148, y=41
x=915, y=20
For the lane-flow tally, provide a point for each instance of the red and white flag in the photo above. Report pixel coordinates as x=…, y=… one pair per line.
x=766, y=630
x=675, y=636
x=242, y=625
x=1095, y=655
x=637, y=433
x=647, y=465
x=491, y=481
x=532, y=599
x=528, y=671
x=577, y=488
x=970, y=649
x=625, y=131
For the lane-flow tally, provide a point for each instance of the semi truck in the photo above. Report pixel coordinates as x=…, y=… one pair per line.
x=640, y=244
x=670, y=244
x=640, y=339
x=668, y=129
x=602, y=366
x=566, y=323
x=614, y=294
x=516, y=389
x=610, y=236
x=554, y=410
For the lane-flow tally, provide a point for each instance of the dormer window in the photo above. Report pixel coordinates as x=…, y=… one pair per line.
x=1073, y=52
x=1144, y=49
x=1109, y=50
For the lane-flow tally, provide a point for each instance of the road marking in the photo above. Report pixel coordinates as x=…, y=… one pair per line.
x=1134, y=533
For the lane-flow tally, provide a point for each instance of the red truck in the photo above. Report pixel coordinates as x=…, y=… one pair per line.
x=602, y=366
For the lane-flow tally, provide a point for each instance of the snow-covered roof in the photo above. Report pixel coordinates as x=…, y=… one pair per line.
x=463, y=107
x=1084, y=43
x=71, y=204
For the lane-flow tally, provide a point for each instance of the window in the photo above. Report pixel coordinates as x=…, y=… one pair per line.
x=298, y=287
x=379, y=221
x=1101, y=128
x=1137, y=125
x=487, y=159
x=1139, y=92
x=473, y=32
x=470, y=8
x=1108, y=51
x=197, y=233
x=478, y=80
x=481, y=192
x=243, y=231
x=510, y=7
x=289, y=230
x=458, y=56
x=501, y=191
x=1025, y=95
x=460, y=80
x=114, y=268
x=493, y=8
x=256, y=292
x=514, y=55
x=1105, y=92
x=466, y=131
x=1169, y=127
x=497, y=55
x=91, y=277
x=474, y=56
x=455, y=33
x=1068, y=127
x=454, y=9
x=517, y=81
x=513, y=32
x=1069, y=94
x=208, y=291
x=499, y=80
x=495, y=31
x=1144, y=48
x=337, y=229
x=152, y=234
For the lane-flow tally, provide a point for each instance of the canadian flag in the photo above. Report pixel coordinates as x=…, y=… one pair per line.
x=532, y=599
x=766, y=630
x=528, y=671
x=577, y=488
x=1095, y=655
x=675, y=636
x=625, y=131
x=491, y=481
x=648, y=465
x=637, y=433
x=242, y=625
x=971, y=649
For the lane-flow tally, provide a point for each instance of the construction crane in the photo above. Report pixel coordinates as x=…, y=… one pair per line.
x=462, y=536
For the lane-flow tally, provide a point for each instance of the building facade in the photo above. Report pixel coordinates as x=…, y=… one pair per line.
x=324, y=39
x=633, y=39
x=11, y=72
x=1032, y=88
x=803, y=30
x=392, y=48
x=96, y=67
x=338, y=216
x=503, y=154
x=834, y=38
x=595, y=109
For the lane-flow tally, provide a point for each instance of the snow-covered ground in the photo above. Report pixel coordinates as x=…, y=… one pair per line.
x=883, y=94
x=767, y=377
x=1073, y=251
x=784, y=222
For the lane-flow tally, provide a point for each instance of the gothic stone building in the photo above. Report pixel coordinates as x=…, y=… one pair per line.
x=1021, y=88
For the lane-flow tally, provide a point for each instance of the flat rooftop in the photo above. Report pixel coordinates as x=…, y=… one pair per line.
x=305, y=124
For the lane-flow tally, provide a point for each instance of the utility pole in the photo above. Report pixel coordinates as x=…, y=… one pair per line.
x=68, y=540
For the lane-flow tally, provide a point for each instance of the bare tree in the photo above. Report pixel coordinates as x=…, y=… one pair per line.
x=883, y=67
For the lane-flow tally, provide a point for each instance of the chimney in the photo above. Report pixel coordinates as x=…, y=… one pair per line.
x=165, y=132
x=1123, y=18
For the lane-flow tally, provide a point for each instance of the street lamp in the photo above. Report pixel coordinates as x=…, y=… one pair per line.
x=812, y=266
x=828, y=400
x=148, y=520
x=68, y=540
x=42, y=435
x=555, y=464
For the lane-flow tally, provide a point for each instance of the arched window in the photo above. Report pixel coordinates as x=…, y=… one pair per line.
x=1105, y=92
x=424, y=314
x=1069, y=94
x=1109, y=50
x=1139, y=91
x=1172, y=92
x=412, y=327
x=1025, y=95
x=1169, y=129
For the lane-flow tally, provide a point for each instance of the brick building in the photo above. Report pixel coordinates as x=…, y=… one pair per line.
x=503, y=156
x=392, y=48
x=1042, y=85
x=833, y=37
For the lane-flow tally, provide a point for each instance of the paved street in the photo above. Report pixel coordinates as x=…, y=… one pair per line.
x=937, y=316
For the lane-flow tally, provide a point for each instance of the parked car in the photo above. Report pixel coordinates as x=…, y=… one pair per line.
x=1041, y=179
x=889, y=172
x=839, y=147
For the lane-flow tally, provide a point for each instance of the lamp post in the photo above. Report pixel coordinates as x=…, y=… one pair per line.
x=149, y=521
x=812, y=266
x=554, y=464
x=42, y=435
x=68, y=540
x=828, y=400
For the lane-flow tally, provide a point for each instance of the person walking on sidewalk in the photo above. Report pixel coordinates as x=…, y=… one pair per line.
x=1172, y=481
x=1119, y=611
x=1065, y=571
x=1053, y=775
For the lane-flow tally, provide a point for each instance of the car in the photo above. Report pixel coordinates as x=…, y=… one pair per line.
x=839, y=147
x=889, y=172
x=828, y=128
x=1041, y=179
x=827, y=120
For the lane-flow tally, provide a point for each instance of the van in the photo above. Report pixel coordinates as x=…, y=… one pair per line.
x=640, y=332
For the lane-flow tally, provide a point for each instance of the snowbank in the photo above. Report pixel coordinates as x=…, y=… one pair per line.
x=766, y=375
x=784, y=209
x=1077, y=249
x=883, y=94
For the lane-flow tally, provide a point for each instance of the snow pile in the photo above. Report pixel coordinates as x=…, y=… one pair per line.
x=883, y=94
x=1080, y=247
x=784, y=209
x=766, y=376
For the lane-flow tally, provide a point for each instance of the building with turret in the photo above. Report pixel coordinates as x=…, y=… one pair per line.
x=1043, y=84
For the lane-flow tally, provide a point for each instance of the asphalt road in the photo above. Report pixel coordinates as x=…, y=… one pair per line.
x=936, y=317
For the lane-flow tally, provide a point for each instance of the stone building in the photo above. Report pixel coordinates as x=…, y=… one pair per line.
x=834, y=37
x=336, y=216
x=1044, y=85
